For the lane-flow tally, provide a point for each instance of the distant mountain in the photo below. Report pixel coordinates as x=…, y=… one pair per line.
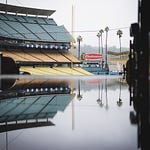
x=118, y=53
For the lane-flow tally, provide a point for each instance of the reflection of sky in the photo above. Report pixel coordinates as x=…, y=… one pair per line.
x=95, y=128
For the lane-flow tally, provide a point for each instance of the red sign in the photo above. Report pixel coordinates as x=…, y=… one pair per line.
x=92, y=56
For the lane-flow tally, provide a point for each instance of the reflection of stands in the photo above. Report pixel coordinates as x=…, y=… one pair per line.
x=17, y=126
x=32, y=109
x=31, y=87
x=32, y=102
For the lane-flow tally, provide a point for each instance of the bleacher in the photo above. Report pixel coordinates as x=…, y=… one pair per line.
x=54, y=70
x=26, y=57
x=30, y=37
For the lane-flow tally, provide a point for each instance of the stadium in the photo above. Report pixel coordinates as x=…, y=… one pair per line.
x=32, y=43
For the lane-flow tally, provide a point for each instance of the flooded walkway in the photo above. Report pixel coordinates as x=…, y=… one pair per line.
x=64, y=113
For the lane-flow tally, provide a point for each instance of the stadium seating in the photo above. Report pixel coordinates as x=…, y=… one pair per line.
x=35, y=39
x=39, y=56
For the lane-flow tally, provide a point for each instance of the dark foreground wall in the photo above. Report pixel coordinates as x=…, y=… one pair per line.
x=8, y=66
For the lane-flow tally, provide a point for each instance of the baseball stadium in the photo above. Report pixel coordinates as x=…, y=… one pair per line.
x=32, y=43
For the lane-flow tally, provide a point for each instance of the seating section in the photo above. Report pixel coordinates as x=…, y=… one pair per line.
x=57, y=56
x=32, y=28
x=40, y=56
x=70, y=57
x=54, y=71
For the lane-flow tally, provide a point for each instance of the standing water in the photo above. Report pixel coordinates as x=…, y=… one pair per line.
x=66, y=113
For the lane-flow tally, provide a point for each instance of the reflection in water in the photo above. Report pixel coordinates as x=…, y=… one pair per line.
x=100, y=93
x=29, y=86
x=119, y=102
x=32, y=102
x=106, y=106
x=79, y=95
x=101, y=97
x=68, y=110
x=6, y=84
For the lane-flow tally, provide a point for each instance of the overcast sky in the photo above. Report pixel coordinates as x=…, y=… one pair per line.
x=90, y=16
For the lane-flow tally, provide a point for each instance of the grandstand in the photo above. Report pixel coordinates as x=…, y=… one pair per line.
x=32, y=39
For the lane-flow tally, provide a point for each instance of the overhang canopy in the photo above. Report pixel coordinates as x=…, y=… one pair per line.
x=25, y=10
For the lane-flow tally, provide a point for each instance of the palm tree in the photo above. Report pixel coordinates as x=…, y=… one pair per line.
x=101, y=32
x=119, y=33
x=106, y=29
x=98, y=35
x=79, y=39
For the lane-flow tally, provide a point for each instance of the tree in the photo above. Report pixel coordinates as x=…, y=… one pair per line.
x=79, y=39
x=119, y=33
x=106, y=29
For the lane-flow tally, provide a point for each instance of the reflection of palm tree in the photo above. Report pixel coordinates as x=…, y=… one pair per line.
x=119, y=33
x=99, y=100
x=101, y=90
x=119, y=102
x=106, y=95
x=79, y=96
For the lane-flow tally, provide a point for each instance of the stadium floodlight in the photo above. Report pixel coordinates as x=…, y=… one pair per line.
x=56, y=47
x=66, y=47
x=51, y=89
x=61, y=47
x=46, y=89
x=41, y=89
x=51, y=46
x=56, y=89
x=36, y=46
x=36, y=90
x=61, y=88
x=46, y=46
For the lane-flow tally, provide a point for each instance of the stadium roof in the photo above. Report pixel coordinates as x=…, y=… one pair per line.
x=32, y=28
x=25, y=10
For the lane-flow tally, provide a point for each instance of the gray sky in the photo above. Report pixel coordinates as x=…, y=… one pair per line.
x=90, y=16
